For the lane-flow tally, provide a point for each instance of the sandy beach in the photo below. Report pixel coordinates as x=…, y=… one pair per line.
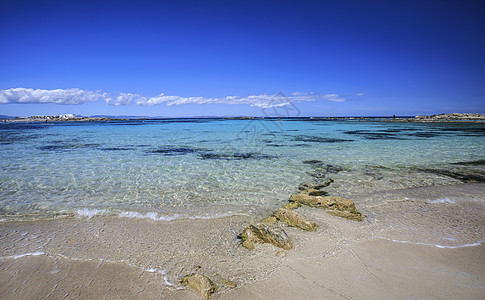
x=404, y=249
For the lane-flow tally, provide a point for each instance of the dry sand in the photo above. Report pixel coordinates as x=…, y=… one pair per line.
x=117, y=258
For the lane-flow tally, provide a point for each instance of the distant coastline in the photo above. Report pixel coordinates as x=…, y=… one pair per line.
x=450, y=117
x=59, y=118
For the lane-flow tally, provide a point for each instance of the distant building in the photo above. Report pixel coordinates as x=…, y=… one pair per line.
x=59, y=117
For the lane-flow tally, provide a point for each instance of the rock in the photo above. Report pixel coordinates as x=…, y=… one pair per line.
x=280, y=254
x=304, y=186
x=221, y=282
x=291, y=205
x=330, y=202
x=294, y=219
x=249, y=239
x=317, y=174
x=373, y=172
x=319, y=186
x=315, y=192
x=312, y=162
x=323, y=184
x=230, y=284
x=341, y=207
x=263, y=232
x=334, y=169
x=200, y=283
x=356, y=216
x=271, y=220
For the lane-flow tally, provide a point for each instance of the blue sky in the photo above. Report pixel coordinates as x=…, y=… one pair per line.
x=200, y=58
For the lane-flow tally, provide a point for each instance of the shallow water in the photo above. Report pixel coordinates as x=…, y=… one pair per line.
x=206, y=168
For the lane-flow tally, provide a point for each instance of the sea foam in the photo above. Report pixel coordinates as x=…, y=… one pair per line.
x=149, y=215
x=90, y=212
x=439, y=246
x=23, y=255
x=441, y=200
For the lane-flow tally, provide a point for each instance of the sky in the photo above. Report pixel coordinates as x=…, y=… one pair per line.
x=234, y=58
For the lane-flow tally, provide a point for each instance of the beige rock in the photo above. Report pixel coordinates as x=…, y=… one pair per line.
x=230, y=284
x=330, y=202
x=294, y=219
x=263, y=232
x=356, y=216
x=271, y=220
x=280, y=254
x=200, y=283
x=249, y=239
x=221, y=282
x=291, y=205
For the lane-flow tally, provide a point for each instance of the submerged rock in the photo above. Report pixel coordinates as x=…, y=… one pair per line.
x=334, y=168
x=318, y=186
x=294, y=219
x=312, y=162
x=200, y=283
x=265, y=233
x=464, y=176
x=317, y=175
x=304, y=186
x=323, y=184
x=315, y=192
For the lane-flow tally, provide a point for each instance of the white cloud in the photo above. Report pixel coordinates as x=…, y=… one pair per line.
x=78, y=96
x=58, y=96
x=121, y=98
x=333, y=97
x=261, y=100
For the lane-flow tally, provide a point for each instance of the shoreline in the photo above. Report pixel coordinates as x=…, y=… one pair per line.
x=156, y=254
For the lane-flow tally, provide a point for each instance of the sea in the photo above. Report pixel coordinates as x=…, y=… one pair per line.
x=166, y=169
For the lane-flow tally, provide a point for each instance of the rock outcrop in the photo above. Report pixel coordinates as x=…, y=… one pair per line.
x=200, y=283
x=291, y=205
x=265, y=233
x=341, y=206
x=330, y=202
x=294, y=219
x=356, y=216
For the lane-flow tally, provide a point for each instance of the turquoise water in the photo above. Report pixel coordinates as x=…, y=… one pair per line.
x=205, y=168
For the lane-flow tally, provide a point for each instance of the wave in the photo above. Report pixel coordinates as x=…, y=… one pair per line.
x=164, y=274
x=437, y=245
x=155, y=216
x=90, y=212
x=441, y=200
x=23, y=255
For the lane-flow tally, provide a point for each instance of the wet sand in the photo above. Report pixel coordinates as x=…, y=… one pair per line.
x=410, y=247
